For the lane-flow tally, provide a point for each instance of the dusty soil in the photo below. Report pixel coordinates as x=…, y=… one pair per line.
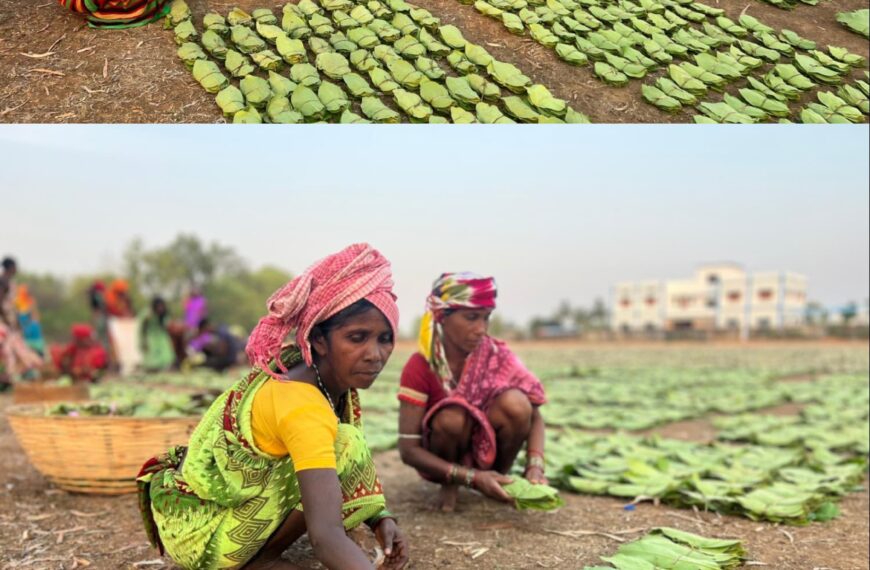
x=43, y=527
x=134, y=76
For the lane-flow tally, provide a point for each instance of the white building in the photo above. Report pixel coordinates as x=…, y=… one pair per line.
x=720, y=296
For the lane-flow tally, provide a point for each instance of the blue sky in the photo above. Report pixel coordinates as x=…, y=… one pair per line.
x=554, y=213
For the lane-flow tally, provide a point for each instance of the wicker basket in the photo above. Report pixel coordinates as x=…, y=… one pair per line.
x=29, y=393
x=100, y=455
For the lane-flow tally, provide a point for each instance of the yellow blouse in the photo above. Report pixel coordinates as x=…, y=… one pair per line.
x=294, y=418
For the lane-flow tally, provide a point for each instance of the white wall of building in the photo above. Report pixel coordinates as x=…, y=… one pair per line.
x=720, y=296
x=638, y=306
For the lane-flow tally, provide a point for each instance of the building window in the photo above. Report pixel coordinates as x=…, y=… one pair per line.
x=713, y=279
x=650, y=327
x=734, y=296
x=626, y=328
x=683, y=301
x=765, y=294
x=733, y=324
x=625, y=303
x=650, y=301
x=711, y=303
x=764, y=324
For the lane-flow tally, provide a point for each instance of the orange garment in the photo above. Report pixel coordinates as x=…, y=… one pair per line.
x=23, y=299
x=294, y=418
x=117, y=300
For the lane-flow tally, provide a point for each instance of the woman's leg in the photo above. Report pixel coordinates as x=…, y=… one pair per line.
x=450, y=439
x=269, y=556
x=511, y=417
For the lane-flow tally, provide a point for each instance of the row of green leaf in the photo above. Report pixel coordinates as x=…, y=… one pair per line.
x=365, y=57
x=628, y=41
x=789, y=485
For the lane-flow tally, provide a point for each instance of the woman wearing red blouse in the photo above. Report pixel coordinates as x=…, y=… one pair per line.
x=467, y=402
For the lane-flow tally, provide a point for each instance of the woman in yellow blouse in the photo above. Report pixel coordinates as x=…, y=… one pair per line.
x=282, y=452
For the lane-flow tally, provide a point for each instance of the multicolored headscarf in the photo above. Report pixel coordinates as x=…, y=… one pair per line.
x=451, y=291
x=330, y=285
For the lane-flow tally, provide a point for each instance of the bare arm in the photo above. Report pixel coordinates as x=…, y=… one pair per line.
x=535, y=447
x=537, y=434
x=321, y=501
x=414, y=454
x=411, y=449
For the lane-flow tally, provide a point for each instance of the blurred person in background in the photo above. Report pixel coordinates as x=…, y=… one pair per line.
x=83, y=358
x=195, y=309
x=122, y=326
x=214, y=347
x=7, y=293
x=100, y=317
x=28, y=320
x=158, y=352
x=16, y=358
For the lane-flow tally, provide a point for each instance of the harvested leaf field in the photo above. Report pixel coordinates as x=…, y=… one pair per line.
x=769, y=439
x=57, y=70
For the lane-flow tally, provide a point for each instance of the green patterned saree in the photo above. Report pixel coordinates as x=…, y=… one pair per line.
x=215, y=503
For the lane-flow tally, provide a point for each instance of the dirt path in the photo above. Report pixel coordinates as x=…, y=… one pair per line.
x=42, y=527
x=134, y=76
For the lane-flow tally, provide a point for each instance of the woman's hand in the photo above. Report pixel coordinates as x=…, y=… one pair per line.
x=490, y=484
x=535, y=475
x=393, y=543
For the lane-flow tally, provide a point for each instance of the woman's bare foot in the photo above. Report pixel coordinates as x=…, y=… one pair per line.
x=447, y=497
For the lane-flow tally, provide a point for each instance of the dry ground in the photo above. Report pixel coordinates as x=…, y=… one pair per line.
x=134, y=76
x=42, y=527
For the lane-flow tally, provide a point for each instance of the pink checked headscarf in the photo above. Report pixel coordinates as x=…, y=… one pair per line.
x=330, y=285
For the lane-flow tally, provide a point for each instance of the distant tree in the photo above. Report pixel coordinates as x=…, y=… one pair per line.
x=497, y=326
x=240, y=299
x=815, y=313
x=236, y=295
x=600, y=315
x=849, y=312
x=172, y=270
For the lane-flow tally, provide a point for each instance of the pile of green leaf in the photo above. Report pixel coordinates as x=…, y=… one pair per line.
x=690, y=49
x=857, y=21
x=760, y=482
x=137, y=401
x=848, y=105
x=671, y=549
x=534, y=496
x=621, y=398
x=836, y=422
x=355, y=61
